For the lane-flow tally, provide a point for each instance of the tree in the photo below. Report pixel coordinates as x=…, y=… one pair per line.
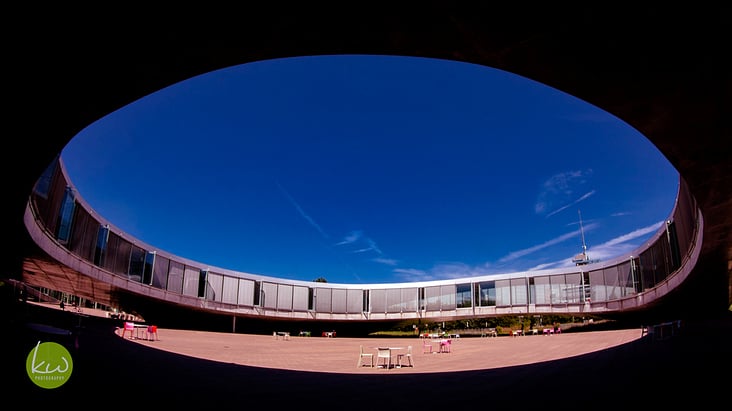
x=320, y=280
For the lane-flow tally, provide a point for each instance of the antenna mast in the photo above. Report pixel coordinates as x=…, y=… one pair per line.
x=582, y=231
x=581, y=258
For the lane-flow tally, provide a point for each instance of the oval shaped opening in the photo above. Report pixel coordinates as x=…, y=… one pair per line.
x=372, y=169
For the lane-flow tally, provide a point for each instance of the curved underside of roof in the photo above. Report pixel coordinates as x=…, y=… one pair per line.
x=672, y=85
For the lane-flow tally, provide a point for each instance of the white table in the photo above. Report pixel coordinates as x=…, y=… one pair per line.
x=139, y=328
x=284, y=334
x=386, y=353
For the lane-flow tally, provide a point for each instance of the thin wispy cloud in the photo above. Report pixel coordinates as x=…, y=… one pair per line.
x=352, y=237
x=356, y=237
x=612, y=248
x=620, y=214
x=526, y=251
x=543, y=266
x=457, y=270
x=641, y=232
x=373, y=246
x=575, y=202
x=622, y=244
x=302, y=212
x=385, y=261
x=615, y=247
x=411, y=274
x=560, y=191
x=447, y=271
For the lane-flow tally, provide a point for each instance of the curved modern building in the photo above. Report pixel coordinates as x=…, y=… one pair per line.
x=107, y=265
x=673, y=86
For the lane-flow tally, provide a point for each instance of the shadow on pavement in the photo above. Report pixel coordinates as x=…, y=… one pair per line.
x=108, y=369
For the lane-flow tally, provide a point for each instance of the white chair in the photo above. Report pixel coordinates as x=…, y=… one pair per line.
x=426, y=346
x=385, y=355
x=363, y=355
x=408, y=356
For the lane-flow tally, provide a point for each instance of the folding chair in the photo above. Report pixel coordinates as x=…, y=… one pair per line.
x=385, y=355
x=129, y=326
x=152, y=333
x=445, y=345
x=426, y=346
x=363, y=355
x=407, y=355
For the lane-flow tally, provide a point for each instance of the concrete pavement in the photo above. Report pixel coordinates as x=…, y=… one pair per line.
x=604, y=369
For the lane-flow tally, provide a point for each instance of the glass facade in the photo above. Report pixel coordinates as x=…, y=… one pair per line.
x=57, y=208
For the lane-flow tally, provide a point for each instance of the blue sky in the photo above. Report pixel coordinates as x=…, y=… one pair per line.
x=372, y=169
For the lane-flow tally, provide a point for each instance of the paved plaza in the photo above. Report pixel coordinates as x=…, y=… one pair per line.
x=222, y=370
x=340, y=355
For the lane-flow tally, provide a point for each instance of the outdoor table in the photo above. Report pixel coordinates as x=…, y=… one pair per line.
x=390, y=353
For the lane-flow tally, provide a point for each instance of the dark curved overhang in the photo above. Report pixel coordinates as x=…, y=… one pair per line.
x=670, y=83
